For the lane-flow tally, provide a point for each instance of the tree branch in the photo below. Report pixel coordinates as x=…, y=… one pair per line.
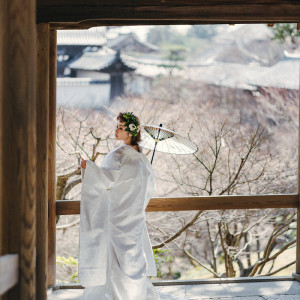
x=178, y=233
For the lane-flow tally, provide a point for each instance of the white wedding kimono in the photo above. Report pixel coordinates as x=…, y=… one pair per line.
x=115, y=251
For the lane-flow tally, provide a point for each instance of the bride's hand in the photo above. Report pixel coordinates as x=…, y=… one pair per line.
x=83, y=163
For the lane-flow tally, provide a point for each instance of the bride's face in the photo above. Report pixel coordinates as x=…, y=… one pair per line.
x=120, y=132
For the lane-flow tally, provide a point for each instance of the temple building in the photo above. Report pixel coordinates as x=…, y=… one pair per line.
x=103, y=64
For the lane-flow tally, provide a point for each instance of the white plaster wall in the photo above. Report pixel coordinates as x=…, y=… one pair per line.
x=89, y=96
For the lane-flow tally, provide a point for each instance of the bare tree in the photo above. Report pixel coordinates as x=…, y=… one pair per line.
x=230, y=161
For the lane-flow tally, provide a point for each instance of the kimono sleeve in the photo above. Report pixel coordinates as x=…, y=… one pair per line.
x=106, y=175
x=94, y=204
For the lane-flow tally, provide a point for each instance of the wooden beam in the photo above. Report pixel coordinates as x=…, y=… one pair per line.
x=142, y=12
x=86, y=24
x=18, y=140
x=67, y=207
x=42, y=159
x=9, y=272
x=51, y=162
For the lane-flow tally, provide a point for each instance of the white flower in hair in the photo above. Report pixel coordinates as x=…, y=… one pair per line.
x=132, y=127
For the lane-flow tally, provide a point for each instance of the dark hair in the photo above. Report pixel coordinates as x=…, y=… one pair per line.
x=134, y=139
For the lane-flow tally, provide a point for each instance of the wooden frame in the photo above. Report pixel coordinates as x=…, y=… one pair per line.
x=297, y=274
x=67, y=207
x=19, y=191
x=51, y=161
x=42, y=78
x=64, y=14
x=84, y=14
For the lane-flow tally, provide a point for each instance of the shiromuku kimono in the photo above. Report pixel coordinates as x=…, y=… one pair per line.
x=115, y=251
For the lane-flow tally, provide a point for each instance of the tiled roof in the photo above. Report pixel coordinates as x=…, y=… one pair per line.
x=98, y=37
x=94, y=60
x=117, y=42
x=73, y=81
x=89, y=37
x=154, y=67
x=285, y=75
x=225, y=74
x=98, y=61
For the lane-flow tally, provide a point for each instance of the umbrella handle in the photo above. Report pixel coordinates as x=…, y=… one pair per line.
x=153, y=152
x=160, y=125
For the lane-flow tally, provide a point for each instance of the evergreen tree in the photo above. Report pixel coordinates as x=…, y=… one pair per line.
x=286, y=32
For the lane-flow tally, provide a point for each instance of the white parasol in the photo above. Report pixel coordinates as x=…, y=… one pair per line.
x=165, y=140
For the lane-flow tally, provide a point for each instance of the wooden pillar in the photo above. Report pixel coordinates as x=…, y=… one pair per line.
x=2, y=40
x=297, y=274
x=42, y=79
x=18, y=140
x=51, y=162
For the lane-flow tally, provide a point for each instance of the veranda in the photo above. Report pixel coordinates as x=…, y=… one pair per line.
x=28, y=205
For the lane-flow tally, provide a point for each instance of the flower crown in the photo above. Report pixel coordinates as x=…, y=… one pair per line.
x=132, y=124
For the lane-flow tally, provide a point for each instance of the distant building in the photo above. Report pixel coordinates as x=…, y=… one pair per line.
x=71, y=44
x=129, y=42
x=282, y=75
x=136, y=72
x=103, y=64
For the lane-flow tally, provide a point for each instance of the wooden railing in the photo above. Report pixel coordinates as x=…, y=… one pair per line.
x=9, y=272
x=72, y=207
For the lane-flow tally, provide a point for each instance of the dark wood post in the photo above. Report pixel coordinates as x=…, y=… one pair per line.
x=51, y=162
x=297, y=274
x=42, y=79
x=18, y=140
x=3, y=237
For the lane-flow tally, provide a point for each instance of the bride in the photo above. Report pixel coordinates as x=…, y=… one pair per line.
x=115, y=251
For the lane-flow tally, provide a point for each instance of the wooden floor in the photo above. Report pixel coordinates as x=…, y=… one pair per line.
x=283, y=288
